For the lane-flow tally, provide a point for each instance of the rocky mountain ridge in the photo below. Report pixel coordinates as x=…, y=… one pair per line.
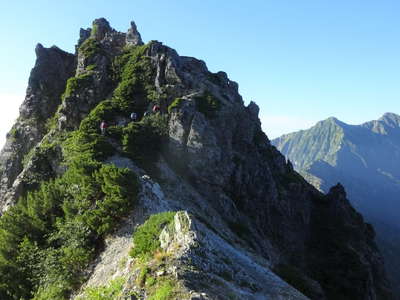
x=333, y=151
x=214, y=210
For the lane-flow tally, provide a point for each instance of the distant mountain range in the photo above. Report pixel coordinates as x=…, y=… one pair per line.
x=366, y=160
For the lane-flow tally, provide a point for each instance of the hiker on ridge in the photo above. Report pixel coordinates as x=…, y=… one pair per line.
x=156, y=108
x=103, y=127
x=133, y=116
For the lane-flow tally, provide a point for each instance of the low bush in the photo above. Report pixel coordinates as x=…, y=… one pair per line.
x=146, y=237
x=77, y=83
x=90, y=47
x=163, y=292
x=52, y=234
x=112, y=291
x=175, y=104
x=142, y=141
x=135, y=75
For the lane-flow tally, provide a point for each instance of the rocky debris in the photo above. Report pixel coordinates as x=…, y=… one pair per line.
x=211, y=265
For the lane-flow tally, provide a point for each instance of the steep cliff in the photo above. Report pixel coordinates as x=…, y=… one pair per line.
x=190, y=201
x=366, y=160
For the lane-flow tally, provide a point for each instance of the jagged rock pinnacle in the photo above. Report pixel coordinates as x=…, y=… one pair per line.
x=133, y=36
x=100, y=28
x=38, y=49
x=253, y=109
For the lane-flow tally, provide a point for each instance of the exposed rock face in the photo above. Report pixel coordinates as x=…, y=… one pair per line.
x=243, y=214
x=133, y=36
x=46, y=84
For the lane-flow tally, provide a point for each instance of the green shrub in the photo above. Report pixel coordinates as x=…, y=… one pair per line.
x=164, y=292
x=208, y=104
x=110, y=292
x=135, y=74
x=175, y=104
x=77, y=83
x=58, y=290
x=91, y=67
x=142, y=141
x=120, y=187
x=90, y=47
x=142, y=277
x=95, y=29
x=150, y=281
x=52, y=234
x=13, y=133
x=51, y=123
x=106, y=110
x=146, y=237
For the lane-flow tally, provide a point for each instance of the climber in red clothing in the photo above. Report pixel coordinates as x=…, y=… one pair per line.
x=103, y=127
x=156, y=108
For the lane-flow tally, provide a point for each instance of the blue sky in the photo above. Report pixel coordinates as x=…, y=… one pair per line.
x=301, y=61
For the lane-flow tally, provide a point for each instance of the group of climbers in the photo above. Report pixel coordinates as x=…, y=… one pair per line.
x=133, y=116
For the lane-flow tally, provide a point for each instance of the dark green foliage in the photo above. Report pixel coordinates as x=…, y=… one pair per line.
x=95, y=29
x=146, y=237
x=163, y=292
x=135, y=74
x=142, y=141
x=106, y=110
x=77, y=83
x=208, y=104
x=83, y=148
x=110, y=292
x=90, y=47
x=119, y=187
x=51, y=123
x=51, y=235
x=175, y=104
x=295, y=278
x=91, y=67
x=13, y=133
x=48, y=238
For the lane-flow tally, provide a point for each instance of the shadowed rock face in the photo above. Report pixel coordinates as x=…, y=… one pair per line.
x=245, y=215
x=366, y=160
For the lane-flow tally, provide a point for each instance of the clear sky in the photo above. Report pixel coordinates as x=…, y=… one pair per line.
x=301, y=61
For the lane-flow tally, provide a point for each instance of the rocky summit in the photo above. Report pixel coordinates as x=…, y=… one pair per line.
x=187, y=199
